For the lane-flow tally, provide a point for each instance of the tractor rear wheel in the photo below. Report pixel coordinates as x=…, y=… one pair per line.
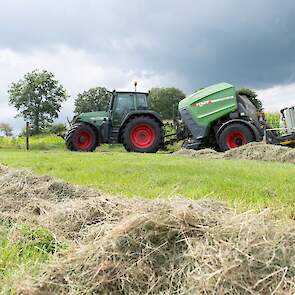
x=234, y=135
x=81, y=137
x=143, y=135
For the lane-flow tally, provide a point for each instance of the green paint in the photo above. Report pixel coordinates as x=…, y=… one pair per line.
x=210, y=104
x=93, y=118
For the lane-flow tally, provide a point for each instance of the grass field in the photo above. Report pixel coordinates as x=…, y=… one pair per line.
x=250, y=184
x=242, y=184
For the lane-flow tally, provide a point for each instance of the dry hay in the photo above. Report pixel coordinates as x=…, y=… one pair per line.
x=261, y=151
x=66, y=209
x=252, y=151
x=174, y=246
x=202, y=154
x=74, y=218
x=179, y=247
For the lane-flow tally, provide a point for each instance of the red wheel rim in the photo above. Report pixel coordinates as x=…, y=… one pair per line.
x=142, y=136
x=84, y=140
x=235, y=139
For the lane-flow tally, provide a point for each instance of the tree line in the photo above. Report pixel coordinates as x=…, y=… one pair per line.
x=38, y=98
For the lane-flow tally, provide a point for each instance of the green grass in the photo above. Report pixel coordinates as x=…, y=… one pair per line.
x=37, y=142
x=252, y=184
x=24, y=249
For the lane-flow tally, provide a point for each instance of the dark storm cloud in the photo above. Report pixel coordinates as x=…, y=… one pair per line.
x=244, y=42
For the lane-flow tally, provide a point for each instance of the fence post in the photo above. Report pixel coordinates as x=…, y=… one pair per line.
x=27, y=136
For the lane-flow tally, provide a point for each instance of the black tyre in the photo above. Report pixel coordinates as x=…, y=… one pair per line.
x=81, y=137
x=143, y=135
x=235, y=135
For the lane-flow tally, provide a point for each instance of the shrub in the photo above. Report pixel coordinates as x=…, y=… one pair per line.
x=273, y=119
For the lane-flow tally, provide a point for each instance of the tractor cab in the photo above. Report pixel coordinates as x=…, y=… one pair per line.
x=122, y=103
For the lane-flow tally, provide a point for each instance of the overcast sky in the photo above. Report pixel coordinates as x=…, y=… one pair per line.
x=183, y=43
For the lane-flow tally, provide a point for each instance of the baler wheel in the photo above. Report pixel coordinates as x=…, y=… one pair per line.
x=235, y=135
x=142, y=134
x=81, y=137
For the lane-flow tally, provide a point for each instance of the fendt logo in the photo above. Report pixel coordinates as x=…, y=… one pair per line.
x=200, y=104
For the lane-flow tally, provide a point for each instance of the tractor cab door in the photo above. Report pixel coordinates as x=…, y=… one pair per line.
x=124, y=103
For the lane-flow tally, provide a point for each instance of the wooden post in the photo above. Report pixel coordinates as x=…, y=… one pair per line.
x=27, y=136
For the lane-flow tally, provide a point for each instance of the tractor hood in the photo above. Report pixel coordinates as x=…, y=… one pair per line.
x=93, y=118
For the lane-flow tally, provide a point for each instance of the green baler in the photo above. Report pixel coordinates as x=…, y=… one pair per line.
x=203, y=108
x=218, y=117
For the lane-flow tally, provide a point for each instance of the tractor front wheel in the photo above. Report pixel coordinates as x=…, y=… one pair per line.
x=234, y=135
x=143, y=135
x=81, y=137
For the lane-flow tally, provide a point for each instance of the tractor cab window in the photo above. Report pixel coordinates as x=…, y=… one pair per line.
x=141, y=101
x=123, y=104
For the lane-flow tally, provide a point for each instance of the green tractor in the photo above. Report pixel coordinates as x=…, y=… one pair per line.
x=128, y=120
x=215, y=117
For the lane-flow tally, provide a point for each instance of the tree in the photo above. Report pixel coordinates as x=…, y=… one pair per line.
x=94, y=99
x=6, y=129
x=165, y=101
x=252, y=95
x=38, y=98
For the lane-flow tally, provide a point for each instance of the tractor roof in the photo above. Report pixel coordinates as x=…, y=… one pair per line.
x=131, y=92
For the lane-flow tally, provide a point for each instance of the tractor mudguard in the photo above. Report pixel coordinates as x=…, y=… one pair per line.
x=257, y=134
x=142, y=113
